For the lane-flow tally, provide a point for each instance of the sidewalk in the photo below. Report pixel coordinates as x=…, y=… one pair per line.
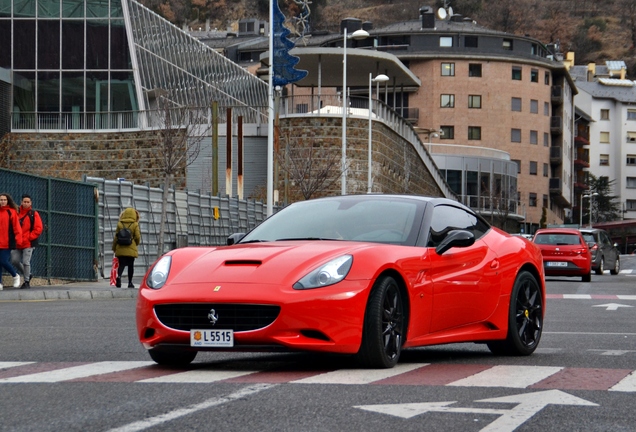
x=100, y=289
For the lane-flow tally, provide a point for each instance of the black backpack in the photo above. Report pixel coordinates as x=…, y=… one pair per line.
x=124, y=236
x=31, y=216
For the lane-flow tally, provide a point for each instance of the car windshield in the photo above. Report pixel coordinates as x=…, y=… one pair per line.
x=557, y=239
x=365, y=219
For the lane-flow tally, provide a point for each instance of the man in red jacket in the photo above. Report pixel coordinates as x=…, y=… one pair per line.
x=31, y=224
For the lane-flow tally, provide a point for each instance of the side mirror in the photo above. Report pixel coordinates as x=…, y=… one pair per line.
x=235, y=238
x=455, y=238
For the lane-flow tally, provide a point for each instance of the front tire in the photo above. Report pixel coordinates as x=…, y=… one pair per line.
x=617, y=267
x=382, y=333
x=525, y=318
x=172, y=358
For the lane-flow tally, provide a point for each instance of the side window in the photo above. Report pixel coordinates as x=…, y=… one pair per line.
x=448, y=218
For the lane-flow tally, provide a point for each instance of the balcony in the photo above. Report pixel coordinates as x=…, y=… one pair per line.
x=580, y=140
x=555, y=185
x=557, y=95
x=556, y=155
x=556, y=125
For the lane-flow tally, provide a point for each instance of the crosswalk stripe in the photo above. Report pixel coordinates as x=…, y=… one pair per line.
x=77, y=372
x=358, y=376
x=627, y=384
x=626, y=297
x=5, y=365
x=197, y=376
x=507, y=376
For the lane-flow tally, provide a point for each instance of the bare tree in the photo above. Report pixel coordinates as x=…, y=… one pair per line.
x=311, y=168
x=180, y=130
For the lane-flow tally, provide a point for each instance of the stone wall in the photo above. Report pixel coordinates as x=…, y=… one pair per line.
x=112, y=155
x=396, y=166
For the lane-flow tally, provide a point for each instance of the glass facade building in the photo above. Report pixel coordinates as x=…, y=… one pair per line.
x=103, y=64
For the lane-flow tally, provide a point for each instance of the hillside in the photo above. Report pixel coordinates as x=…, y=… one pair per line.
x=596, y=30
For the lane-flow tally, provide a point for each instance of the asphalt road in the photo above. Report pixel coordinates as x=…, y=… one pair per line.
x=76, y=365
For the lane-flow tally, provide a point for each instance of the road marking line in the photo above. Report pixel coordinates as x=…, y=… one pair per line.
x=577, y=296
x=355, y=376
x=77, y=372
x=172, y=415
x=6, y=365
x=197, y=376
x=626, y=297
x=627, y=384
x=508, y=376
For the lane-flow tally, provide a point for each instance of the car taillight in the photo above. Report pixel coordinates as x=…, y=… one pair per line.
x=593, y=248
x=582, y=251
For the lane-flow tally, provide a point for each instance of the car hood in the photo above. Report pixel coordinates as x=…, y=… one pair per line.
x=273, y=262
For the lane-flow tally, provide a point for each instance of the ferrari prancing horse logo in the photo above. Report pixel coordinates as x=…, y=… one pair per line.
x=213, y=316
x=217, y=288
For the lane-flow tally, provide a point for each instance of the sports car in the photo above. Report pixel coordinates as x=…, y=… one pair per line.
x=364, y=275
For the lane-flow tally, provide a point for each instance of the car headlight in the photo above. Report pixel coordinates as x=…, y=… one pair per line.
x=159, y=273
x=327, y=274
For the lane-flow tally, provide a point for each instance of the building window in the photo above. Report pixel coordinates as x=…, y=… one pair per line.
x=631, y=114
x=545, y=170
x=446, y=41
x=604, y=137
x=534, y=75
x=533, y=168
x=447, y=101
x=631, y=137
x=474, y=69
x=471, y=41
x=515, y=135
x=534, y=106
x=448, y=69
x=448, y=132
x=518, y=162
x=630, y=183
x=534, y=137
x=546, y=109
x=507, y=44
x=545, y=201
x=605, y=114
x=532, y=199
x=630, y=205
x=546, y=78
x=474, y=101
x=516, y=73
x=474, y=132
x=302, y=108
x=546, y=139
x=604, y=160
x=515, y=104
x=631, y=160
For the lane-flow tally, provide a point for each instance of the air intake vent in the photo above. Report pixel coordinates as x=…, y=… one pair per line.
x=243, y=263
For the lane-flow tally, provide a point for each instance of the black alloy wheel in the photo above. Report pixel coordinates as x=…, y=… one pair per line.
x=382, y=335
x=617, y=266
x=601, y=267
x=525, y=320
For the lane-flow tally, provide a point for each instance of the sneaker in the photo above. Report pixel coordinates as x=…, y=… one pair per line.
x=16, y=281
x=130, y=285
x=118, y=283
x=1, y=287
x=25, y=285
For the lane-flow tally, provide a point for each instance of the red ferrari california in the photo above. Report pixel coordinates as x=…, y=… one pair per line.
x=365, y=275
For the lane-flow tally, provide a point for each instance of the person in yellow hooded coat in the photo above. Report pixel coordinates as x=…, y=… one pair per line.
x=126, y=253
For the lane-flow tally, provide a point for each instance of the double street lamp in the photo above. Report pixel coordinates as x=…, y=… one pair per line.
x=357, y=35
x=591, y=196
x=378, y=79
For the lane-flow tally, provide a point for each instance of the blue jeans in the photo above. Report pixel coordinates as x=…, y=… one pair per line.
x=5, y=262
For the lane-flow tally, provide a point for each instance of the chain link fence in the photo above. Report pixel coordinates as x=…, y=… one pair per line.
x=80, y=220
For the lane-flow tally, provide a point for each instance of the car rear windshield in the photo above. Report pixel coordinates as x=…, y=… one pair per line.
x=558, y=239
x=589, y=238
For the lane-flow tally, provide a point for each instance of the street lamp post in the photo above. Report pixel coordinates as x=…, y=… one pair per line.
x=378, y=79
x=358, y=34
x=590, y=196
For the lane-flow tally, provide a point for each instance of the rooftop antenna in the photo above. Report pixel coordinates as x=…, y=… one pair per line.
x=446, y=12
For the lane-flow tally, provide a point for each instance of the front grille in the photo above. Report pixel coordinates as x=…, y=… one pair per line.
x=237, y=317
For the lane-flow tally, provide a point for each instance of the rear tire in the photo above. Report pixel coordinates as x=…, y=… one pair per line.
x=172, y=358
x=525, y=319
x=617, y=266
x=601, y=267
x=382, y=333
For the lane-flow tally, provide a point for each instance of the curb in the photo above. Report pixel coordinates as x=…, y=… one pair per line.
x=77, y=294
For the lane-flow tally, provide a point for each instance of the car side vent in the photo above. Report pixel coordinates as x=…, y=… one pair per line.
x=243, y=262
